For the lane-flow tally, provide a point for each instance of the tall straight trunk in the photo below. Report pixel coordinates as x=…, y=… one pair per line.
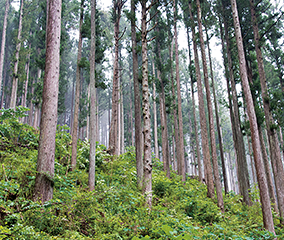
x=176, y=129
x=262, y=183
x=2, y=53
x=164, y=127
x=93, y=110
x=180, y=122
x=155, y=115
x=119, y=118
x=281, y=140
x=31, y=107
x=88, y=106
x=16, y=63
x=113, y=144
x=130, y=112
x=236, y=126
x=137, y=104
x=194, y=113
x=77, y=93
x=204, y=137
x=254, y=180
x=43, y=190
x=122, y=122
x=217, y=117
x=210, y=113
x=147, y=161
x=269, y=121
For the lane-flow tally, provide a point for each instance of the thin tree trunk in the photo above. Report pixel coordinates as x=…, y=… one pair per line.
x=16, y=63
x=77, y=93
x=217, y=117
x=194, y=114
x=2, y=53
x=93, y=110
x=45, y=164
x=137, y=104
x=269, y=121
x=155, y=115
x=88, y=106
x=210, y=113
x=262, y=183
x=202, y=116
x=130, y=112
x=122, y=122
x=180, y=122
x=114, y=127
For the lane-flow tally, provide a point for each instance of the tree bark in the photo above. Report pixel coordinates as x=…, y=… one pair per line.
x=93, y=109
x=210, y=113
x=155, y=114
x=77, y=93
x=262, y=183
x=2, y=53
x=147, y=161
x=137, y=104
x=204, y=137
x=45, y=164
x=16, y=63
x=269, y=121
x=180, y=122
x=217, y=117
x=242, y=168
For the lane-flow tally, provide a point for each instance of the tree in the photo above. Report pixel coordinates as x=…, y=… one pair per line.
x=93, y=99
x=262, y=183
x=43, y=190
x=16, y=63
x=77, y=92
x=116, y=15
x=2, y=53
x=137, y=103
x=202, y=116
x=272, y=134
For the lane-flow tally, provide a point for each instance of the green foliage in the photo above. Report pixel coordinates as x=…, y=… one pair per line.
x=116, y=209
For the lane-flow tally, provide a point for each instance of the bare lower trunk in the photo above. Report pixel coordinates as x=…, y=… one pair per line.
x=264, y=196
x=242, y=168
x=77, y=93
x=45, y=164
x=210, y=114
x=16, y=63
x=155, y=116
x=137, y=104
x=202, y=117
x=2, y=53
x=93, y=110
x=180, y=121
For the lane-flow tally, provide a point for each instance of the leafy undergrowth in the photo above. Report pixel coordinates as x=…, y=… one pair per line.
x=116, y=209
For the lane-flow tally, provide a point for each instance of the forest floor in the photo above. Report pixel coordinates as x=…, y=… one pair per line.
x=116, y=208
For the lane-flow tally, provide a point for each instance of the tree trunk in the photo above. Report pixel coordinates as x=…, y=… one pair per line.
x=217, y=117
x=2, y=53
x=147, y=161
x=204, y=137
x=264, y=196
x=137, y=104
x=272, y=134
x=113, y=144
x=77, y=93
x=45, y=164
x=122, y=122
x=210, y=113
x=194, y=113
x=16, y=63
x=93, y=110
x=180, y=122
x=130, y=112
x=155, y=115
x=236, y=126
